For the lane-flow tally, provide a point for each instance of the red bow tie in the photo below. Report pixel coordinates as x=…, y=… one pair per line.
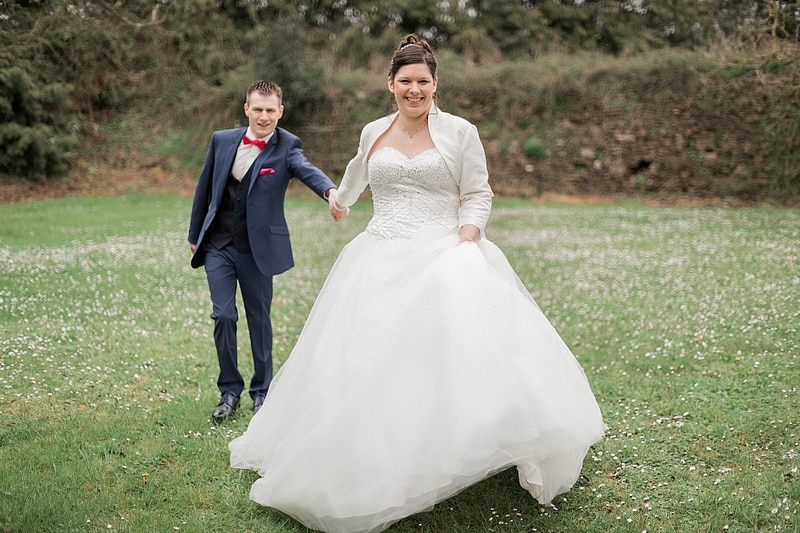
x=260, y=144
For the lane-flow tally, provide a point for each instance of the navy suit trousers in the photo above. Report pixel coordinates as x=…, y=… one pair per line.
x=225, y=268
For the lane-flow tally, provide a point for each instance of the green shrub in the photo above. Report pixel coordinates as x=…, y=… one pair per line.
x=288, y=59
x=534, y=147
x=35, y=141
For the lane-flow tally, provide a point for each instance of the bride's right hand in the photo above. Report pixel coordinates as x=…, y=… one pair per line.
x=338, y=212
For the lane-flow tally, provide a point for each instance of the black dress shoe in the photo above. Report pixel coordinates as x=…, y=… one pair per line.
x=258, y=401
x=226, y=406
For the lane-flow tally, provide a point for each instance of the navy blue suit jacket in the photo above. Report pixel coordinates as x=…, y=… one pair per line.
x=280, y=161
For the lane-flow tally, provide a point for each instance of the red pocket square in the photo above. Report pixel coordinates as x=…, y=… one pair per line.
x=266, y=171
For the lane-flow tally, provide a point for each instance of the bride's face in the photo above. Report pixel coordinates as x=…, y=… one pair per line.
x=413, y=87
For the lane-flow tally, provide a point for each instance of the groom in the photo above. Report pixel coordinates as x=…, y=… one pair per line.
x=238, y=231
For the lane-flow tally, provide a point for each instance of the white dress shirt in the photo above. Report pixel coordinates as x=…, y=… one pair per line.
x=246, y=154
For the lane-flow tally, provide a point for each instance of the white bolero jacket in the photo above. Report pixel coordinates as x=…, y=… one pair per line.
x=458, y=142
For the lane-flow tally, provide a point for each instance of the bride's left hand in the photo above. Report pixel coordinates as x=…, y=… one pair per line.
x=469, y=233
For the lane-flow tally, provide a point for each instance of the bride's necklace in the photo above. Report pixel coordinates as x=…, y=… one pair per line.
x=412, y=133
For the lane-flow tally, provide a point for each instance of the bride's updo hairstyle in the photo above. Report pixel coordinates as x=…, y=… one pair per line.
x=412, y=51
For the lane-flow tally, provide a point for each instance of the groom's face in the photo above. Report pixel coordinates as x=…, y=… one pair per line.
x=263, y=113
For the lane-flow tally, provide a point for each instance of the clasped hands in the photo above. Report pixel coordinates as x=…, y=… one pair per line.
x=338, y=212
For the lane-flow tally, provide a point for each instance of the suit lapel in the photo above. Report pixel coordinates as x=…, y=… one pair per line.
x=265, y=153
x=227, y=154
x=230, y=152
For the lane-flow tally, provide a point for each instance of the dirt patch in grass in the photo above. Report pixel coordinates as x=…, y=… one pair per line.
x=97, y=179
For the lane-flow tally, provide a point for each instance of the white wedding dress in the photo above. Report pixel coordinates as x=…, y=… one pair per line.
x=424, y=367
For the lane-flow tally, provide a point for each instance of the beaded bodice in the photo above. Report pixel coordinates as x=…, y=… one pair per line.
x=411, y=194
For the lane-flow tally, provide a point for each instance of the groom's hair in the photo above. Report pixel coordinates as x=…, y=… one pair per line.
x=265, y=88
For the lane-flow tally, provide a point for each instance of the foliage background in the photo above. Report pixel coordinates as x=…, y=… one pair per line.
x=661, y=99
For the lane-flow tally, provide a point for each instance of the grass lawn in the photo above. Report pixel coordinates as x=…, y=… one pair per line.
x=684, y=318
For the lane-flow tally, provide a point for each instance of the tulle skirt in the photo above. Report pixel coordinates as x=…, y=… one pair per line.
x=424, y=367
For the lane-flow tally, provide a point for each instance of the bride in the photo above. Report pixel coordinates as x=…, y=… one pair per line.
x=425, y=365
